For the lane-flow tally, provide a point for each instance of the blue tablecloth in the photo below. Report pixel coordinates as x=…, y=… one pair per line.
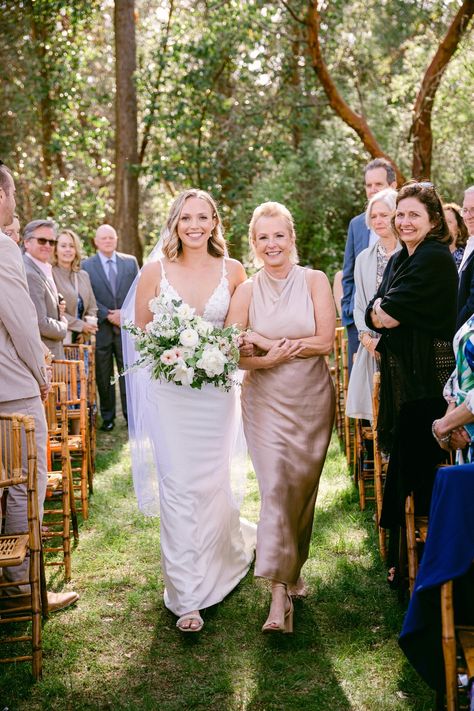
x=448, y=554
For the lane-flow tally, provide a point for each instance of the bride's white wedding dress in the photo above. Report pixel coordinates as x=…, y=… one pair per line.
x=206, y=549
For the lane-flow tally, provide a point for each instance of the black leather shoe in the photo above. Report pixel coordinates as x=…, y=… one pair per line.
x=107, y=426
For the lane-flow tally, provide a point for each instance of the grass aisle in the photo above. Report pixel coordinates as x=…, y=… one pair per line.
x=119, y=649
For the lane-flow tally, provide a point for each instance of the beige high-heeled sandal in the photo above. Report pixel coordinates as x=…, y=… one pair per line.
x=286, y=626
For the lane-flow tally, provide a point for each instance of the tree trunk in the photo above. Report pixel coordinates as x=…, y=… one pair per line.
x=421, y=127
x=40, y=38
x=357, y=122
x=126, y=130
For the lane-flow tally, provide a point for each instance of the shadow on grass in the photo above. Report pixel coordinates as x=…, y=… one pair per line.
x=120, y=649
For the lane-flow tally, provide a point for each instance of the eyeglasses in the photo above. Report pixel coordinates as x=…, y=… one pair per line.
x=43, y=241
x=465, y=211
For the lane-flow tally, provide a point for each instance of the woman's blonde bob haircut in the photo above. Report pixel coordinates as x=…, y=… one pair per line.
x=76, y=262
x=272, y=209
x=172, y=246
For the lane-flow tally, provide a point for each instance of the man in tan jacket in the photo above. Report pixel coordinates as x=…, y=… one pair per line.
x=39, y=238
x=23, y=377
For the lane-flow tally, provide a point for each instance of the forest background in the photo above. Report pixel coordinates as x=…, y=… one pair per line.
x=110, y=109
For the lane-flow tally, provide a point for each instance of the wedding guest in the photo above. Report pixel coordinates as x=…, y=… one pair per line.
x=369, y=268
x=287, y=399
x=466, y=268
x=23, y=383
x=455, y=430
x=39, y=238
x=457, y=230
x=378, y=175
x=75, y=286
x=13, y=229
x=111, y=274
x=414, y=310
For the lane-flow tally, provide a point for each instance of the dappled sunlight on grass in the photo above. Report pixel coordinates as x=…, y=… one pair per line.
x=119, y=648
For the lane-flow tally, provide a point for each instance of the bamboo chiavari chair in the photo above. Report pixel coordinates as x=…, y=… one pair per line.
x=58, y=514
x=16, y=432
x=380, y=467
x=338, y=383
x=86, y=353
x=458, y=647
x=73, y=374
x=416, y=532
x=364, y=462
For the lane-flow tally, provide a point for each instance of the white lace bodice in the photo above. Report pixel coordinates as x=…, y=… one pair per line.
x=217, y=305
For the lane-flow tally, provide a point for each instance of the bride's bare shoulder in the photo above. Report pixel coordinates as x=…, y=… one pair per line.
x=150, y=271
x=235, y=270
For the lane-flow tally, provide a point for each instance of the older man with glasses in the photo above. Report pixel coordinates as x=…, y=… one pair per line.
x=466, y=268
x=39, y=238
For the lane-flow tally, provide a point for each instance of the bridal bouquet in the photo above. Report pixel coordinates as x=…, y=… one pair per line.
x=183, y=348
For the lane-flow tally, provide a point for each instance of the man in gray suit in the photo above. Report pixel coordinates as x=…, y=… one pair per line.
x=24, y=380
x=39, y=238
x=111, y=274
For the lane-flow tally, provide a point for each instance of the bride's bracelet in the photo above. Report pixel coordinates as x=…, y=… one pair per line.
x=441, y=440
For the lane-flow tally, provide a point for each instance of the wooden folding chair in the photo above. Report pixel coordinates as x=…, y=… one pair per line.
x=458, y=647
x=364, y=462
x=73, y=374
x=60, y=507
x=86, y=353
x=339, y=384
x=16, y=432
x=416, y=532
x=380, y=467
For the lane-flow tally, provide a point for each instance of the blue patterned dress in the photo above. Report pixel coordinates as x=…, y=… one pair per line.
x=460, y=386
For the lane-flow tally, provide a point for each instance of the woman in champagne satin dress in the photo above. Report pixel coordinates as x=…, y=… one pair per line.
x=287, y=399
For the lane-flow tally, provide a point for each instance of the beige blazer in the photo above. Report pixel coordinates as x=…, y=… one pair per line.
x=22, y=366
x=52, y=328
x=65, y=280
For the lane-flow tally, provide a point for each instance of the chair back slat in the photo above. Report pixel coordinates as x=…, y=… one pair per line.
x=11, y=472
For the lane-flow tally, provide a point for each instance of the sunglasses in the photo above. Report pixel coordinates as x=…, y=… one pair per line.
x=43, y=241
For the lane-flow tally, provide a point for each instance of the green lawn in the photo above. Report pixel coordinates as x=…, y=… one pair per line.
x=119, y=648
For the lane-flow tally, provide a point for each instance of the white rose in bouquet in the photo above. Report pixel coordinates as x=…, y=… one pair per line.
x=182, y=373
x=204, y=327
x=155, y=305
x=184, y=312
x=189, y=338
x=212, y=361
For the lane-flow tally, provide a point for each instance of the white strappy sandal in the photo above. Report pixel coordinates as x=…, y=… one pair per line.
x=191, y=617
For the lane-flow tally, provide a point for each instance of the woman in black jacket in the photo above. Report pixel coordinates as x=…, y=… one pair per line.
x=414, y=309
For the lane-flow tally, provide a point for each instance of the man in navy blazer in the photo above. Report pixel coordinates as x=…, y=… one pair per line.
x=466, y=268
x=378, y=175
x=111, y=274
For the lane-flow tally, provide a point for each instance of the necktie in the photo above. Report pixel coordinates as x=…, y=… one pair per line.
x=112, y=275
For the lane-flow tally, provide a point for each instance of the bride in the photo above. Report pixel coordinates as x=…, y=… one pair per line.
x=205, y=548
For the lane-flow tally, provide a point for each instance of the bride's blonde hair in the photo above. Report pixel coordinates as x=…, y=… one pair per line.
x=172, y=246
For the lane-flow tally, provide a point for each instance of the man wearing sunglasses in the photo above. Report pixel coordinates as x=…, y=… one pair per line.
x=39, y=238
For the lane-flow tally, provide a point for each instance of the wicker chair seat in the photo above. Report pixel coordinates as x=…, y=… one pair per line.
x=13, y=549
x=54, y=483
